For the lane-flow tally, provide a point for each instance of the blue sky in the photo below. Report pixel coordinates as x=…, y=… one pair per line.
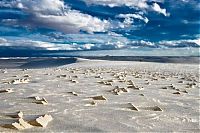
x=98, y=24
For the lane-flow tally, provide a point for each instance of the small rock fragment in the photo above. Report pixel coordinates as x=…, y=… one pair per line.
x=178, y=93
x=6, y=91
x=75, y=76
x=73, y=93
x=122, y=80
x=99, y=77
x=4, y=71
x=41, y=121
x=163, y=77
x=41, y=101
x=172, y=87
x=154, y=78
x=164, y=88
x=134, y=87
x=110, y=80
x=62, y=76
x=118, y=90
x=132, y=107
x=180, y=81
x=156, y=108
x=26, y=76
x=100, y=82
x=14, y=125
x=169, y=87
x=148, y=83
x=130, y=82
x=19, y=81
x=124, y=89
x=184, y=91
x=93, y=103
x=191, y=85
x=108, y=83
x=19, y=125
x=99, y=98
x=25, y=124
x=35, y=98
x=73, y=81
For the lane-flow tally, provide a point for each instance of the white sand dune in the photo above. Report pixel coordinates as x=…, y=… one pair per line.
x=71, y=87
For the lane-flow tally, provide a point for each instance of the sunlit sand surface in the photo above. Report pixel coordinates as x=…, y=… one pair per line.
x=94, y=95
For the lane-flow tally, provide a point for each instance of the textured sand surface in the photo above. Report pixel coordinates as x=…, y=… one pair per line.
x=106, y=96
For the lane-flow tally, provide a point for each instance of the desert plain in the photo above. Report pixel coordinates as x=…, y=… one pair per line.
x=99, y=96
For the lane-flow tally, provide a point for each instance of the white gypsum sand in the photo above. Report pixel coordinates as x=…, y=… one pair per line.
x=133, y=96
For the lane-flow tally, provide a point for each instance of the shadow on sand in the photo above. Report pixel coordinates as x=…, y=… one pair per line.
x=46, y=63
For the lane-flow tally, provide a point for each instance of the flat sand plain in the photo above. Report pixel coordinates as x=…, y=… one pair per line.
x=101, y=96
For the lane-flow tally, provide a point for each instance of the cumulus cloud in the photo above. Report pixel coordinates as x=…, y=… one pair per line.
x=68, y=42
x=40, y=45
x=3, y=40
x=56, y=15
x=181, y=43
x=4, y=3
x=141, y=43
x=166, y=43
x=136, y=4
x=114, y=3
x=158, y=9
x=129, y=18
x=48, y=7
x=91, y=38
x=32, y=44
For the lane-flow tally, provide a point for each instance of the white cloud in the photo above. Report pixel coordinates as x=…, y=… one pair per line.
x=158, y=9
x=88, y=42
x=54, y=14
x=136, y=4
x=88, y=46
x=91, y=38
x=181, y=43
x=4, y=3
x=190, y=22
x=165, y=44
x=31, y=44
x=53, y=7
x=113, y=3
x=3, y=40
x=129, y=18
x=141, y=43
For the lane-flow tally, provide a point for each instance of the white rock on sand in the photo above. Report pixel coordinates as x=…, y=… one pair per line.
x=41, y=121
x=98, y=98
x=38, y=100
x=20, y=124
x=19, y=81
x=73, y=93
